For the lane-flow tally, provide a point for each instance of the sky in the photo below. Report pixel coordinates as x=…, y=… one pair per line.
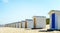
x=18, y=10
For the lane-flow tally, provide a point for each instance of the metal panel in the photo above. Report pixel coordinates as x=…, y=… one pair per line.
x=56, y=21
x=40, y=22
x=13, y=25
x=30, y=24
x=58, y=17
x=19, y=25
x=23, y=24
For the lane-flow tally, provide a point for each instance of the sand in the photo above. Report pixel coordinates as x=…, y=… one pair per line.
x=23, y=30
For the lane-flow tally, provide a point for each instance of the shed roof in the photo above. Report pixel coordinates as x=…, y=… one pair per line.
x=12, y=23
x=29, y=19
x=22, y=21
x=54, y=11
x=39, y=16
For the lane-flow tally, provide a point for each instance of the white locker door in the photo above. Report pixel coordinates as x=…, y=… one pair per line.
x=58, y=19
x=19, y=25
x=43, y=21
x=23, y=24
x=38, y=23
x=30, y=24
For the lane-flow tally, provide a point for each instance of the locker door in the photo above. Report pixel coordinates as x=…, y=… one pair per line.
x=53, y=20
x=30, y=24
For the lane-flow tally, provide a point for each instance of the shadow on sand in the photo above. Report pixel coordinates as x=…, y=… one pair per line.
x=48, y=30
x=44, y=31
x=33, y=28
x=36, y=28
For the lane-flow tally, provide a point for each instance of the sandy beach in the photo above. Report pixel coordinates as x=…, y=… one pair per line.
x=22, y=30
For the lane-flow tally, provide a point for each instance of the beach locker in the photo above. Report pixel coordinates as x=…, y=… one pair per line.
x=6, y=25
x=23, y=24
x=30, y=23
x=16, y=24
x=19, y=24
x=13, y=25
x=39, y=21
x=54, y=19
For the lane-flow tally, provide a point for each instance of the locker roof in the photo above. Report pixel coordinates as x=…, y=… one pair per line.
x=29, y=19
x=54, y=11
x=39, y=16
x=22, y=21
x=13, y=23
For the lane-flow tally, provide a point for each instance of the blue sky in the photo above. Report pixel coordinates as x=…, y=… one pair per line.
x=17, y=10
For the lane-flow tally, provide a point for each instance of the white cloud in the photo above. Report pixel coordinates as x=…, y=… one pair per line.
x=5, y=1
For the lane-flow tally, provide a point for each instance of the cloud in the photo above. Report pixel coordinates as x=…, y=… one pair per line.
x=5, y=1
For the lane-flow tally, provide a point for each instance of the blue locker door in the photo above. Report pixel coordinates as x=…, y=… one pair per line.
x=53, y=20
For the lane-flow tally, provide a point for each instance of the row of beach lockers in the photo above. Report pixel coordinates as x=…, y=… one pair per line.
x=40, y=21
x=36, y=22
